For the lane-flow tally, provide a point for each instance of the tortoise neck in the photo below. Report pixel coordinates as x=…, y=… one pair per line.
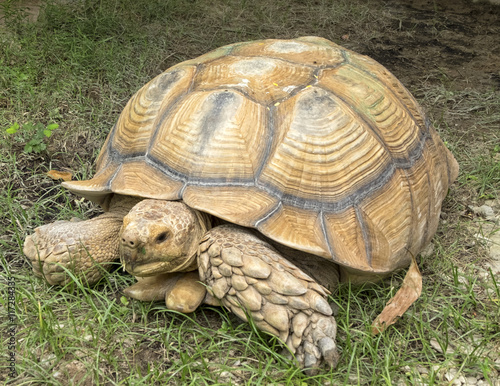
x=205, y=224
x=205, y=221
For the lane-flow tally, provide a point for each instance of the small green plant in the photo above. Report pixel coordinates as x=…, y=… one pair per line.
x=33, y=135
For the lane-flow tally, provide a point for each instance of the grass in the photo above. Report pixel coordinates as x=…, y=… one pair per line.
x=77, y=66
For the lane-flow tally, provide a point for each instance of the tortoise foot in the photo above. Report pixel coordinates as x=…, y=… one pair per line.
x=182, y=291
x=312, y=339
x=254, y=281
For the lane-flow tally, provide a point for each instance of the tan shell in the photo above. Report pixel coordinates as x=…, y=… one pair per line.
x=317, y=147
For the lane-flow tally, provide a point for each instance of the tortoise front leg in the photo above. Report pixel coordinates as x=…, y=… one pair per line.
x=182, y=291
x=251, y=278
x=84, y=248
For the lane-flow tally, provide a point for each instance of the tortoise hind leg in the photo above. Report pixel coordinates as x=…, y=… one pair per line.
x=250, y=277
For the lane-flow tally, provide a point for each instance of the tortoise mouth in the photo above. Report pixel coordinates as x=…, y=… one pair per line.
x=153, y=268
x=147, y=269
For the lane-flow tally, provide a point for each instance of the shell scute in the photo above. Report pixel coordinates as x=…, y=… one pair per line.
x=324, y=153
x=212, y=135
x=382, y=110
x=262, y=79
x=310, y=51
x=136, y=126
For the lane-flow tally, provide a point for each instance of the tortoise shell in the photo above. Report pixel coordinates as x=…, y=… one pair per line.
x=319, y=148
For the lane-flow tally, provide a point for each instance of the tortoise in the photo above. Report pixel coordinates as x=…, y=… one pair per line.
x=258, y=176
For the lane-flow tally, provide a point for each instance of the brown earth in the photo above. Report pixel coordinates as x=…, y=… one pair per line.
x=459, y=40
x=31, y=10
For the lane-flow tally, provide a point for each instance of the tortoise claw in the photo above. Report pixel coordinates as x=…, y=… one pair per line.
x=316, y=344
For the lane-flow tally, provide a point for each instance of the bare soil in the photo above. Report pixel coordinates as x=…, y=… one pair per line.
x=459, y=40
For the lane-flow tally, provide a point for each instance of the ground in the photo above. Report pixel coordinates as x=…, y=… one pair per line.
x=77, y=63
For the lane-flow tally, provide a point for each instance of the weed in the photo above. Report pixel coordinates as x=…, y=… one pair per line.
x=32, y=135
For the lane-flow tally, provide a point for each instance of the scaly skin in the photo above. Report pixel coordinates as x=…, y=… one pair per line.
x=84, y=248
x=182, y=291
x=253, y=280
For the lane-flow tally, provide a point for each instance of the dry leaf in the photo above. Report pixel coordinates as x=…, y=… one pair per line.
x=409, y=292
x=56, y=175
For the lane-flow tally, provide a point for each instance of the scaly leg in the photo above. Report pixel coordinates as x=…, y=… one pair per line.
x=85, y=248
x=182, y=291
x=251, y=278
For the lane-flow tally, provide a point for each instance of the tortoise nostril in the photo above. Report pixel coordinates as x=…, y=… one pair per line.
x=129, y=239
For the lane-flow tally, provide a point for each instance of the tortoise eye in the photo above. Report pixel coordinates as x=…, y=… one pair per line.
x=161, y=237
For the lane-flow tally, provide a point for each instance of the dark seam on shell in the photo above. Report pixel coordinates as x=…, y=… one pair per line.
x=425, y=130
x=287, y=199
x=324, y=230
x=364, y=232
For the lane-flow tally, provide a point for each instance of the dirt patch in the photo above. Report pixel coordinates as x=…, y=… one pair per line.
x=30, y=10
x=458, y=40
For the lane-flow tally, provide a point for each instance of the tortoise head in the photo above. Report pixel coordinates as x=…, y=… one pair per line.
x=160, y=236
